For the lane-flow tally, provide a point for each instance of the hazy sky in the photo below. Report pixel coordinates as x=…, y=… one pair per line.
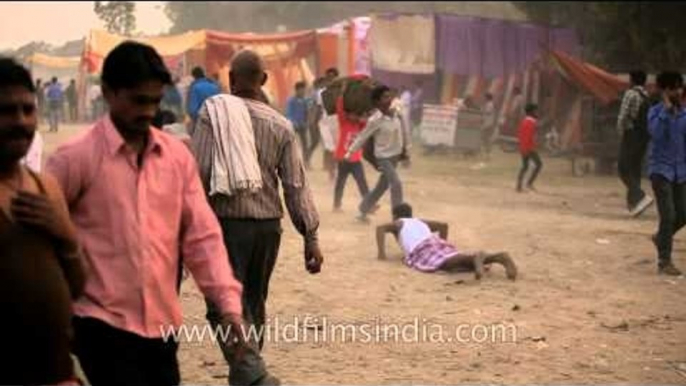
x=61, y=21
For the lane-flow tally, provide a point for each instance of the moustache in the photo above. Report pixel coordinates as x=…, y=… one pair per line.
x=16, y=133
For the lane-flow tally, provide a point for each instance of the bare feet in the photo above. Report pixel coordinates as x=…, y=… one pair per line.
x=479, y=266
x=506, y=261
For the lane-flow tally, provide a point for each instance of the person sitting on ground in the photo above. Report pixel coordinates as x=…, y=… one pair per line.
x=427, y=252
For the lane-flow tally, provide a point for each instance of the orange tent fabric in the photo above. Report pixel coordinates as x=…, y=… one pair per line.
x=284, y=54
x=597, y=82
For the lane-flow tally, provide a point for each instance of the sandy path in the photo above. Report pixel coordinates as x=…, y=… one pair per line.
x=587, y=312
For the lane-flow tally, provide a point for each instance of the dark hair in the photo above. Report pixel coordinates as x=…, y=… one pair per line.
x=669, y=80
x=638, y=77
x=530, y=108
x=403, y=210
x=332, y=71
x=378, y=92
x=300, y=85
x=489, y=96
x=130, y=64
x=163, y=117
x=517, y=90
x=14, y=74
x=198, y=72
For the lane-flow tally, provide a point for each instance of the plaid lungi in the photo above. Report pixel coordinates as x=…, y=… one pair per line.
x=430, y=254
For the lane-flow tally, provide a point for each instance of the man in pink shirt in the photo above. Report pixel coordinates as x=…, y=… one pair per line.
x=136, y=199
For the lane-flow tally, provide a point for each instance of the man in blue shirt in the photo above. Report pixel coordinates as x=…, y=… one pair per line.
x=667, y=166
x=201, y=89
x=54, y=95
x=296, y=112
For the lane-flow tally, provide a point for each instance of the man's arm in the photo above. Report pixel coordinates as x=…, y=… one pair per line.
x=381, y=231
x=202, y=139
x=361, y=138
x=203, y=248
x=298, y=196
x=440, y=227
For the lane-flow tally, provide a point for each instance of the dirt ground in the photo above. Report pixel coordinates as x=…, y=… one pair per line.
x=588, y=306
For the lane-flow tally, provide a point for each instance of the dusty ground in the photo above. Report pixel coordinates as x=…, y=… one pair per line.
x=588, y=306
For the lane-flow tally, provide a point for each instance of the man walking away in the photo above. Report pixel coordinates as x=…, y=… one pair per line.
x=667, y=166
x=296, y=112
x=489, y=126
x=391, y=141
x=201, y=89
x=55, y=99
x=72, y=100
x=632, y=126
x=261, y=150
x=527, y=146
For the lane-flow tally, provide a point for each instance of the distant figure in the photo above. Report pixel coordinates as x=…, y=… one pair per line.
x=40, y=100
x=515, y=114
x=55, y=97
x=296, y=112
x=34, y=157
x=167, y=121
x=94, y=98
x=172, y=100
x=489, y=124
x=427, y=252
x=527, y=147
x=201, y=89
x=632, y=124
x=417, y=104
x=72, y=100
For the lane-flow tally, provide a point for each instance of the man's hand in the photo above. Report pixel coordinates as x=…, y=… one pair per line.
x=37, y=211
x=405, y=159
x=313, y=257
x=235, y=325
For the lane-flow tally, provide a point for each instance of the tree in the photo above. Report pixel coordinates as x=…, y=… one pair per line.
x=265, y=17
x=119, y=16
x=621, y=36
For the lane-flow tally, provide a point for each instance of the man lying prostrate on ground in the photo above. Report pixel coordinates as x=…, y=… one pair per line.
x=427, y=252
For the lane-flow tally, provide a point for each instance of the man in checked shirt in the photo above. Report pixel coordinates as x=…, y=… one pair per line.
x=252, y=222
x=632, y=125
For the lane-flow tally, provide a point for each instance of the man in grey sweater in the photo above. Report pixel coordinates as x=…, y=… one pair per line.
x=391, y=142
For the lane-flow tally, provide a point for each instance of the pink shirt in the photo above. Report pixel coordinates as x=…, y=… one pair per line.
x=132, y=223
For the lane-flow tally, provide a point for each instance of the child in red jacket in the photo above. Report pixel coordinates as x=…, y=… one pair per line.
x=527, y=146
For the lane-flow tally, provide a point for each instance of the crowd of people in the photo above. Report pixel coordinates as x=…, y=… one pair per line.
x=97, y=243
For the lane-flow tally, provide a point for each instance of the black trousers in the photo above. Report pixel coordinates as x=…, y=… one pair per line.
x=631, y=155
x=533, y=157
x=346, y=168
x=253, y=247
x=109, y=356
x=671, y=207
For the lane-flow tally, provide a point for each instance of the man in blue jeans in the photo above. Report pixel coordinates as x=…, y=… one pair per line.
x=391, y=141
x=55, y=98
x=667, y=166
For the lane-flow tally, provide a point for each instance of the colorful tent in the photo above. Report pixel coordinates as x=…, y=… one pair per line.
x=289, y=57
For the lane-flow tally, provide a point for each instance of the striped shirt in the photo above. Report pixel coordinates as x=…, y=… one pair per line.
x=279, y=156
x=631, y=105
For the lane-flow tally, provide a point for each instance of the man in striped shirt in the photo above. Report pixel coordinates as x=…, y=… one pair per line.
x=251, y=223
